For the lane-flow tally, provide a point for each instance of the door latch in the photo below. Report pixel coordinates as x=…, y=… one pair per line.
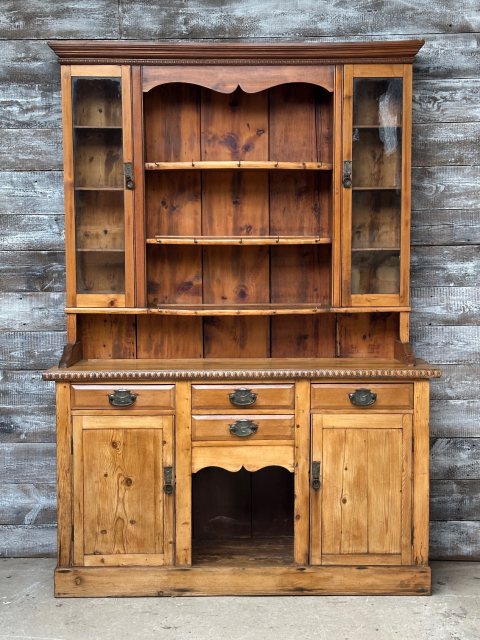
x=168, y=480
x=316, y=475
x=128, y=171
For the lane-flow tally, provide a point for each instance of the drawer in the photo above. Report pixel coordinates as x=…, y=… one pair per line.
x=256, y=427
x=337, y=396
x=243, y=396
x=146, y=396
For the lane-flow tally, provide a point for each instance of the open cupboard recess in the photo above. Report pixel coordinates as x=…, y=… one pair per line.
x=239, y=409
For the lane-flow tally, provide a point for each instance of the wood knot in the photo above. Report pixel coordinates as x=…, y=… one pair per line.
x=78, y=580
x=128, y=482
x=115, y=445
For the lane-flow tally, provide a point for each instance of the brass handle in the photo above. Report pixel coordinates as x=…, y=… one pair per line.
x=316, y=475
x=243, y=428
x=347, y=174
x=122, y=398
x=243, y=397
x=362, y=398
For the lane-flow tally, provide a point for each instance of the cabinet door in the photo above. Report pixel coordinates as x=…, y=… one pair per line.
x=376, y=185
x=122, y=514
x=98, y=196
x=361, y=512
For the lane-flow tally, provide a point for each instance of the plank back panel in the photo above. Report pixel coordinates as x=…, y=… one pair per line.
x=107, y=336
x=169, y=337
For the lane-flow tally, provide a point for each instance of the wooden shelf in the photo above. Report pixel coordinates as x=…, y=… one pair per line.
x=96, y=126
x=99, y=189
x=239, y=164
x=243, y=552
x=376, y=188
x=376, y=126
x=238, y=310
x=239, y=240
x=100, y=250
x=360, y=249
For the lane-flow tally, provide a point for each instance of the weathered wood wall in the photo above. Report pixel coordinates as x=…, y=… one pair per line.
x=445, y=238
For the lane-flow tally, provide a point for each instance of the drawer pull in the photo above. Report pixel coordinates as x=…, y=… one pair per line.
x=122, y=398
x=362, y=397
x=243, y=397
x=243, y=428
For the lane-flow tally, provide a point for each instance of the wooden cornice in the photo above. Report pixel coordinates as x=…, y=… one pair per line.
x=158, y=53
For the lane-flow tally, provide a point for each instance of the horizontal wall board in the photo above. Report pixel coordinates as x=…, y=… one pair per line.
x=60, y=19
x=458, y=382
x=31, y=349
x=25, y=388
x=26, y=463
x=27, y=423
x=32, y=232
x=29, y=62
x=455, y=418
x=444, y=266
x=446, y=226
x=35, y=150
x=455, y=459
x=32, y=271
x=28, y=541
x=31, y=192
x=28, y=504
x=32, y=311
x=448, y=55
x=445, y=305
x=445, y=187
x=454, y=100
x=30, y=106
x=455, y=500
x=149, y=19
x=455, y=540
x=434, y=145
x=447, y=345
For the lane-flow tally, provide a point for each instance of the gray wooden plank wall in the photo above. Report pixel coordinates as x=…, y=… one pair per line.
x=445, y=235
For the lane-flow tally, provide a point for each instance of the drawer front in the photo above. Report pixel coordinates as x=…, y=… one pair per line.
x=362, y=396
x=116, y=397
x=243, y=397
x=236, y=428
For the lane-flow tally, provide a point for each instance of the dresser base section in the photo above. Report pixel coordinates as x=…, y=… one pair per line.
x=224, y=581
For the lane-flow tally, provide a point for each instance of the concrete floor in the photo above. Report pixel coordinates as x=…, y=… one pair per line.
x=29, y=611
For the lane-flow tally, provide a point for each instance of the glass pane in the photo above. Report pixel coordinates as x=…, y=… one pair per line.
x=376, y=184
x=98, y=163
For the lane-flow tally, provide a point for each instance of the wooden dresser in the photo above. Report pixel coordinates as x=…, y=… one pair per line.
x=239, y=410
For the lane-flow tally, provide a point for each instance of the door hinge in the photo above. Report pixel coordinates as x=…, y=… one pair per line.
x=71, y=532
x=316, y=475
x=128, y=171
x=71, y=445
x=168, y=480
x=347, y=174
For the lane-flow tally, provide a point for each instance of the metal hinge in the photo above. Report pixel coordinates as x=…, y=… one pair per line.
x=316, y=475
x=168, y=480
x=128, y=172
x=347, y=174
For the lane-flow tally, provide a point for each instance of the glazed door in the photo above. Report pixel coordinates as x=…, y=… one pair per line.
x=98, y=187
x=376, y=185
x=123, y=513
x=361, y=489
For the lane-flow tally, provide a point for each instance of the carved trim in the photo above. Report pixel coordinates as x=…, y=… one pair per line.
x=224, y=374
x=134, y=52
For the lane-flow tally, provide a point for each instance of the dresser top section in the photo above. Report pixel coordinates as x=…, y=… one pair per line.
x=233, y=53
x=245, y=369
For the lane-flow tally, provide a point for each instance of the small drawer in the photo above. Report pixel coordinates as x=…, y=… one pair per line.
x=362, y=396
x=123, y=397
x=237, y=428
x=243, y=396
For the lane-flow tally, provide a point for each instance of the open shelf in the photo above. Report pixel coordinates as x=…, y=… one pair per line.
x=234, y=240
x=357, y=249
x=99, y=189
x=244, y=552
x=238, y=310
x=239, y=164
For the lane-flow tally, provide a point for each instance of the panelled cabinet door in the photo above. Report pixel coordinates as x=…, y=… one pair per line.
x=98, y=189
x=122, y=513
x=361, y=506
x=376, y=185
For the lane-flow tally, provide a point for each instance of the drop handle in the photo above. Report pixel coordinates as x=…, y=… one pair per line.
x=243, y=397
x=122, y=398
x=243, y=428
x=362, y=398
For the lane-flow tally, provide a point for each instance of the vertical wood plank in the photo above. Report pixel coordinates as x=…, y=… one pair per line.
x=236, y=337
x=174, y=276
x=347, y=193
x=303, y=336
x=406, y=184
x=169, y=337
x=167, y=434
x=333, y=452
x=367, y=335
x=300, y=274
x=302, y=462
x=107, y=336
x=78, y=548
x=316, y=495
x=64, y=474
x=404, y=327
x=183, y=473
x=336, y=222
x=69, y=183
x=128, y=195
x=421, y=484
x=354, y=500
x=407, y=483
x=139, y=192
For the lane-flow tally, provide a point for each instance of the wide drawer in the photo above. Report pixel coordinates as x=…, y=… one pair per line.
x=361, y=397
x=102, y=396
x=237, y=428
x=243, y=396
